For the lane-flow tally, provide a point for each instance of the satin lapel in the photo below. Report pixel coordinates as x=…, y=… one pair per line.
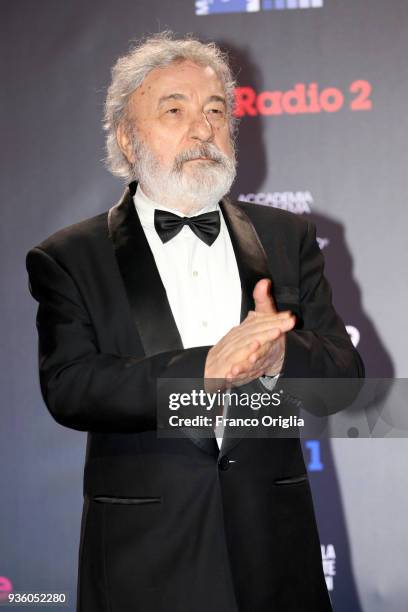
x=145, y=291
x=249, y=252
x=252, y=265
x=152, y=315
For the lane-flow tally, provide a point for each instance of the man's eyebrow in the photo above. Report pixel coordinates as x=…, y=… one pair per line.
x=172, y=96
x=179, y=96
x=217, y=98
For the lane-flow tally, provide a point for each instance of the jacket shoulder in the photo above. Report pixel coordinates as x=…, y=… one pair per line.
x=267, y=216
x=84, y=232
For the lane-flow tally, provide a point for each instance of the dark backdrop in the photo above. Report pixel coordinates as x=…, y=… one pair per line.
x=323, y=94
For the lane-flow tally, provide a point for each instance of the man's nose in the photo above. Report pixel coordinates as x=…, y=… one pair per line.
x=201, y=129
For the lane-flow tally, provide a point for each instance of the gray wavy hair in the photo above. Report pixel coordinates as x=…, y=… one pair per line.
x=130, y=71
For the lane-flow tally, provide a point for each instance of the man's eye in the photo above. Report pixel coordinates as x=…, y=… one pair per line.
x=173, y=111
x=216, y=112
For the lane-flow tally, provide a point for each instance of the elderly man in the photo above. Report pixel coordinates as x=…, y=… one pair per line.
x=175, y=282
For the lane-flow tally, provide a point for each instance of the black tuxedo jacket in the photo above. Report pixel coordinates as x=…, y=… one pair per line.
x=176, y=524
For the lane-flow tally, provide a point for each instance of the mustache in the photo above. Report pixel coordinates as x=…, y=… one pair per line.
x=205, y=150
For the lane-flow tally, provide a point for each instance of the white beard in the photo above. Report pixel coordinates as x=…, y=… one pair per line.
x=204, y=183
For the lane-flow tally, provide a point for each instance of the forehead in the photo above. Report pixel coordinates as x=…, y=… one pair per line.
x=184, y=77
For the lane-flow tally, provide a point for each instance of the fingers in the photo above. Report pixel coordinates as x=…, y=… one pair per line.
x=269, y=357
x=263, y=359
x=263, y=350
x=253, y=350
x=258, y=323
x=257, y=344
x=241, y=351
x=263, y=299
x=254, y=315
x=243, y=378
x=264, y=330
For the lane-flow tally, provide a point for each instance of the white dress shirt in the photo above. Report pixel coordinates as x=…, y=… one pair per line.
x=202, y=282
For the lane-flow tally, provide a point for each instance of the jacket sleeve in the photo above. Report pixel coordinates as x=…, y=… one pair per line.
x=83, y=388
x=320, y=345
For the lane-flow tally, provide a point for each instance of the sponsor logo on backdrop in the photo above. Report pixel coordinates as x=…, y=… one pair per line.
x=303, y=99
x=313, y=450
x=211, y=7
x=329, y=564
x=354, y=334
x=6, y=588
x=298, y=202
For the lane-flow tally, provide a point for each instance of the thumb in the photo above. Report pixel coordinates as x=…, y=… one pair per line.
x=263, y=300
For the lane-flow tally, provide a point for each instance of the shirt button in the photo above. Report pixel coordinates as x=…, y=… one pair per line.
x=195, y=273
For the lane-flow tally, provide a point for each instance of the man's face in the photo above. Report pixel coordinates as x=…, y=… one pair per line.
x=181, y=147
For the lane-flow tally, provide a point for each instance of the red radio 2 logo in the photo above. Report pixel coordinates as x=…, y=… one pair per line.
x=302, y=99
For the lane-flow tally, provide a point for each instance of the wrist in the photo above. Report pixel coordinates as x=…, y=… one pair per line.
x=276, y=369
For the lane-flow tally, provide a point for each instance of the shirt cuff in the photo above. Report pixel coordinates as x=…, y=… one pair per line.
x=269, y=382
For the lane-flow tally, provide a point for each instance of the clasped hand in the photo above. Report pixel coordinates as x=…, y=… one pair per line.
x=254, y=348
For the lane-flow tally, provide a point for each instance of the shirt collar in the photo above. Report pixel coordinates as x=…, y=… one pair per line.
x=145, y=208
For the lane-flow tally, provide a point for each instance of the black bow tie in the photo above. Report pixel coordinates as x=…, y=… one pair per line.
x=205, y=226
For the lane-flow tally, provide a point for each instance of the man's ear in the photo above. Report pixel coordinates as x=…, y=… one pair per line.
x=125, y=143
